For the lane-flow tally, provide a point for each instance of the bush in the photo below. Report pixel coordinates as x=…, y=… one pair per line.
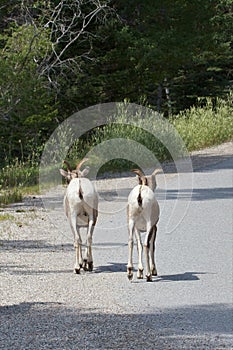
x=12, y=195
x=197, y=127
x=206, y=126
x=19, y=174
x=14, y=178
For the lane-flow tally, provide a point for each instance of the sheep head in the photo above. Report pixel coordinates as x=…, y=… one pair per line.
x=149, y=180
x=72, y=174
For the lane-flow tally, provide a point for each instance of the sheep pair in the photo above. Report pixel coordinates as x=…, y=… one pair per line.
x=81, y=208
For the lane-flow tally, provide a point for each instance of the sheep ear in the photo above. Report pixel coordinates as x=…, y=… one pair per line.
x=63, y=172
x=85, y=171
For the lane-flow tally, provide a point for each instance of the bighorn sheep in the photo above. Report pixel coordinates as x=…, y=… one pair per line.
x=143, y=216
x=81, y=208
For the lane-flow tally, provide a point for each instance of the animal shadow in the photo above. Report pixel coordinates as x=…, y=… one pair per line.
x=186, y=276
x=111, y=267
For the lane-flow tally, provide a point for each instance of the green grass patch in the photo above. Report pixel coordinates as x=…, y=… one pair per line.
x=199, y=127
x=19, y=174
x=12, y=195
x=206, y=126
x=18, y=178
x=30, y=190
x=6, y=216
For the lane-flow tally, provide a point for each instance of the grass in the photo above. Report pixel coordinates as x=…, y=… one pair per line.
x=198, y=127
x=17, y=179
x=205, y=126
x=19, y=173
x=11, y=195
x=6, y=216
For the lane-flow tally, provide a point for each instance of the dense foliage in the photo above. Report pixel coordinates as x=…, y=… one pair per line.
x=57, y=57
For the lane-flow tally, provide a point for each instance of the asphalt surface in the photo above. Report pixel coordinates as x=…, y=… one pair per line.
x=187, y=306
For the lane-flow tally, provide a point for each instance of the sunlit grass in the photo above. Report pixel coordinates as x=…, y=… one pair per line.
x=6, y=216
x=11, y=195
x=206, y=126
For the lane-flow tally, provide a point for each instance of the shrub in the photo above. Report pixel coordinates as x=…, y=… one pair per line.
x=205, y=126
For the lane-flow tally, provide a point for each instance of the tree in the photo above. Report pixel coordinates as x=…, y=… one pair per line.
x=38, y=50
x=209, y=74
x=26, y=108
x=57, y=57
x=145, y=53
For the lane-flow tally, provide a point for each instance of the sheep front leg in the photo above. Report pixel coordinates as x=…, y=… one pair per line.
x=130, y=245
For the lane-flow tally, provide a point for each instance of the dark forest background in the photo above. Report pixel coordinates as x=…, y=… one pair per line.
x=59, y=57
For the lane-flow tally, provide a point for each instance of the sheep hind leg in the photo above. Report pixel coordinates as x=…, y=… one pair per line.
x=85, y=260
x=77, y=243
x=148, y=273
x=147, y=250
x=89, y=262
x=130, y=263
x=130, y=246
x=78, y=262
x=139, y=246
x=152, y=252
x=87, y=265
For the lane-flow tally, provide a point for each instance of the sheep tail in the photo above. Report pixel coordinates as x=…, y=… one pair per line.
x=140, y=197
x=80, y=193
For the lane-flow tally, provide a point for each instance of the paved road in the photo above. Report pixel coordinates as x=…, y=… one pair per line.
x=188, y=306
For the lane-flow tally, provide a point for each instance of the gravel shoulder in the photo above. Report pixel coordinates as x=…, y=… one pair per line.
x=43, y=305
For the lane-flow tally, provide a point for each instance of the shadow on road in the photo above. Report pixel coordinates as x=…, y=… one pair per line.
x=111, y=267
x=55, y=326
x=31, y=245
x=211, y=162
x=186, y=276
x=197, y=194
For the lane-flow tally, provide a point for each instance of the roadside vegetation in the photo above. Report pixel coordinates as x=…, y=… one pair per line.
x=198, y=127
x=60, y=57
x=206, y=126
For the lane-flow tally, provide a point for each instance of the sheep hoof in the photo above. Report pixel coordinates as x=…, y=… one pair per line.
x=90, y=266
x=154, y=272
x=130, y=277
x=130, y=274
x=84, y=265
x=140, y=274
x=77, y=271
x=149, y=278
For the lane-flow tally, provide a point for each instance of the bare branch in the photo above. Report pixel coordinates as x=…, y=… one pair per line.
x=68, y=30
x=69, y=23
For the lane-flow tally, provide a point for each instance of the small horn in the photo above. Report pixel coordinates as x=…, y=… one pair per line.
x=81, y=163
x=138, y=172
x=157, y=171
x=67, y=164
x=141, y=175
